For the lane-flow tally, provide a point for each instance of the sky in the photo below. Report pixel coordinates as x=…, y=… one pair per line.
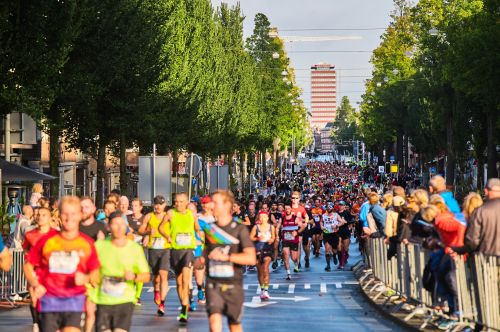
x=299, y=15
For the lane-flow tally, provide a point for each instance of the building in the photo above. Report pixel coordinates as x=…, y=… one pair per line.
x=326, y=140
x=323, y=95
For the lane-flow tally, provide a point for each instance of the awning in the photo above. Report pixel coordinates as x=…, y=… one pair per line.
x=15, y=172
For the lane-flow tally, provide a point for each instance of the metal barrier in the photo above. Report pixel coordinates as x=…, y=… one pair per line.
x=478, y=283
x=13, y=283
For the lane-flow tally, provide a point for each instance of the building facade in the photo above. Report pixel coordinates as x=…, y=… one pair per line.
x=323, y=95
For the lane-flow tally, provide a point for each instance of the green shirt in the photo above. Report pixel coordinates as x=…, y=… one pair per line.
x=114, y=262
x=182, y=230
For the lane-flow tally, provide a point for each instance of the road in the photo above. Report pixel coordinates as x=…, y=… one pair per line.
x=313, y=300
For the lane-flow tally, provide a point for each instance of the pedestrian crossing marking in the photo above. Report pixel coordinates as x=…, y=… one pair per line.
x=258, y=290
x=291, y=289
x=322, y=288
x=307, y=286
x=276, y=286
x=245, y=286
x=338, y=284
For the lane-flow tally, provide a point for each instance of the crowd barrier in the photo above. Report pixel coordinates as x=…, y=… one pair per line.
x=400, y=280
x=13, y=284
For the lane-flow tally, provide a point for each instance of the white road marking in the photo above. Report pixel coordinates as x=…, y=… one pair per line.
x=276, y=286
x=338, y=284
x=322, y=288
x=291, y=289
x=245, y=286
x=307, y=286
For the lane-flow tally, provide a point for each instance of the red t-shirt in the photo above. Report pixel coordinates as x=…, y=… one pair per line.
x=58, y=259
x=299, y=212
x=32, y=237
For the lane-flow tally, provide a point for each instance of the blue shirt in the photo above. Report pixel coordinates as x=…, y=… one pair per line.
x=2, y=246
x=363, y=213
x=453, y=206
x=379, y=214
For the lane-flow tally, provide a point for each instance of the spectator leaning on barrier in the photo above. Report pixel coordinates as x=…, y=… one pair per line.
x=379, y=215
x=437, y=185
x=483, y=231
x=391, y=225
x=471, y=202
x=418, y=200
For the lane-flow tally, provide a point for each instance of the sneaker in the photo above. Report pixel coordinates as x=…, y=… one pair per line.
x=266, y=295
x=138, y=302
x=262, y=297
x=328, y=268
x=157, y=298
x=335, y=260
x=193, y=306
x=307, y=263
x=340, y=267
x=183, y=315
x=275, y=265
x=161, y=309
x=201, y=297
x=296, y=269
x=288, y=277
x=447, y=324
x=36, y=328
x=300, y=266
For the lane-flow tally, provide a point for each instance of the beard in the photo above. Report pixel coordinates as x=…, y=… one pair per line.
x=86, y=216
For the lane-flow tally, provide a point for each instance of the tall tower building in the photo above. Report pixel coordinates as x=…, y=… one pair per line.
x=323, y=94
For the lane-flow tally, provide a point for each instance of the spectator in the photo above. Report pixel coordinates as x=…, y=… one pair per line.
x=399, y=191
x=437, y=185
x=5, y=258
x=419, y=199
x=483, y=231
x=25, y=221
x=391, y=225
x=471, y=202
x=36, y=194
x=379, y=215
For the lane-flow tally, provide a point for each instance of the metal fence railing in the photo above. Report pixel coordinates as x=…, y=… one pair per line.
x=13, y=283
x=478, y=283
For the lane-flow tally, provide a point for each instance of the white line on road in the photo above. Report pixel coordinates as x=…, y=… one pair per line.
x=258, y=290
x=276, y=286
x=307, y=286
x=338, y=284
x=291, y=289
x=245, y=287
x=322, y=287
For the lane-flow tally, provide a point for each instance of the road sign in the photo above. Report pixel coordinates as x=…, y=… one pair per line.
x=432, y=170
x=219, y=177
x=392, y=159
x=194, y=181
x=381, y=169
x=394, y=168
x=363, y=163
x=154, y=178
x=196, y=165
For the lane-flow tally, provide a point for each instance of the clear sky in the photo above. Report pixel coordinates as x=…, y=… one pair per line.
x=354, y=67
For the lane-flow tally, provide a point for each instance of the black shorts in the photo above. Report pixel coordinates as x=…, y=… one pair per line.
x=316, y=231
x=112, y=317
x=345, y=233
x=226, y=300
x=332, y=239
x=159, y=259
x=54, y=321
x=181, y=258
x=291, y=245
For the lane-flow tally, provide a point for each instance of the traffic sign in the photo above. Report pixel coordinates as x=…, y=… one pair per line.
x=363, y=163
x=394, y=168
x=194, y=181
x=432, y=170
x=196, y=164
x=392, y=159
x=381, y=169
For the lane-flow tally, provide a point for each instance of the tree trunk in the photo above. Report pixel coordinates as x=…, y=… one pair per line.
x=101, y=172
x=450, y=153
x=399, y=147
x=491, y=146
x=123, y=166
x=54, y=159
x=263, y=163
x=405, y=153
x=242, y=172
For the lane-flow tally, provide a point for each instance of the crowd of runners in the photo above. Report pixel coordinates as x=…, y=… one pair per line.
x=86, y=268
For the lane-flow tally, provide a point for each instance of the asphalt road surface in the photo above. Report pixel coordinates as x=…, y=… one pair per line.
x=313, y=300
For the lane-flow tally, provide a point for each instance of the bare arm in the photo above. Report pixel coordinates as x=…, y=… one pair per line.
x=165, y=220
x=253, y=233
x=5, y=260
x=144, y=229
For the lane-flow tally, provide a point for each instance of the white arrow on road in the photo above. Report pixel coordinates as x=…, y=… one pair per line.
x=258, y=304
x=295, y=298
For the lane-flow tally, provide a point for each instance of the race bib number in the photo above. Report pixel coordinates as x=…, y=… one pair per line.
x=114, y=287
x=63, y=262
x=220, y=269
x=158, y=243
x=316, y=218
x=288, y=236
x=183, y=239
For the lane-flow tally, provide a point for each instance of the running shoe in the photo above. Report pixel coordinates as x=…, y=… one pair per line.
x=138, y=301
x=288, y=277
x=157, y=298
x=265, y=295
x=275, y=265
x=296, y=269
x=300, y=266
x=327, y=268
x=340, y=267
x=183, y=315
x=201, y=297
x=307, y=263
x=335, y=260
x=36, y=328
x=161, y=309
x=193, y=306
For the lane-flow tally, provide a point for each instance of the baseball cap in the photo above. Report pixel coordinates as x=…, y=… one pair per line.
x=342, y=203
x=398, y=201
x=159, y=200
x=206, y=199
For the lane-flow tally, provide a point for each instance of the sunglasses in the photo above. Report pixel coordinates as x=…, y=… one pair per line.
x=295, y=197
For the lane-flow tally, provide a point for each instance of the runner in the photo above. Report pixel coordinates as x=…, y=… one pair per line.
x=43, y=218
x=204, y=218
x=290, y=238
x=344, y=233
x=135, y=221
x=65, y=262
x=276, y=219
x=263, y=234
x=330, y=223
x=123, y=265
x=182, y=224
x=158, y=251
x=302, y=218
x=226, y=254
x=317, y=213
